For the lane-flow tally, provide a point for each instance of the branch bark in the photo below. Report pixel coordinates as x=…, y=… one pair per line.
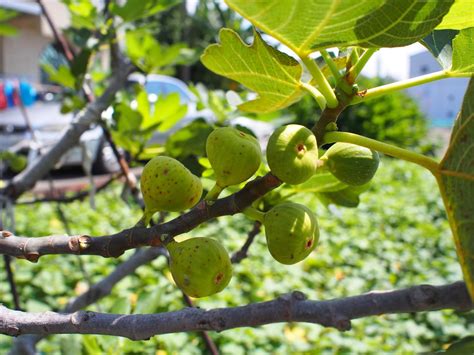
x=294, y=307
x=91, y=114
x=26, y=344
x=114, y=245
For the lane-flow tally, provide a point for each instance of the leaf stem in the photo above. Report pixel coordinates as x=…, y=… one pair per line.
x=400, y=85
x=361, y=62
x=388, y=149
x=323, y=83
x=320, y=99
x=330, y=63
x=254, y=214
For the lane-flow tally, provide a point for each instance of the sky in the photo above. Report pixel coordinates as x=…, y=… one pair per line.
x=393, y=62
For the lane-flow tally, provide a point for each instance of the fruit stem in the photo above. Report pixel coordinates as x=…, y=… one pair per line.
x=214, y=193
x=322, y=82
x=388, y=149
x=253, y=213
x=145, y=220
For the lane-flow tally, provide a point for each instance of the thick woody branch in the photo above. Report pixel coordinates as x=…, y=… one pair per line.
x=294, y=307
x=115, y=245
x=91, y=114
x=26, y=344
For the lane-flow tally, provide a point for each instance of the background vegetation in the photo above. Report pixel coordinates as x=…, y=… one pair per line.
x=398, y=236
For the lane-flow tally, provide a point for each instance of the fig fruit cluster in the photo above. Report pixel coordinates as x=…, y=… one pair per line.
x=201, y=266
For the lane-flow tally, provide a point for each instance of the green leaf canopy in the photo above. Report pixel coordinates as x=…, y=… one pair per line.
x=308, y=25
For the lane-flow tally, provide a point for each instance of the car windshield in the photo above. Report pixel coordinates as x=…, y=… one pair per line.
x=163, y=88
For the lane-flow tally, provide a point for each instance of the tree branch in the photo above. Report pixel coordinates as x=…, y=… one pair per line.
x=26, y=344
x=241, y=254
x=294, y=307
x=114, y=245
x=91, y=114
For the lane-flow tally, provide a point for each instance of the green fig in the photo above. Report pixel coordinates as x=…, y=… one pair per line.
x=352, y=164
x=234, y=155
x=167, y=185
x=292, y=232
x=200, y=266
x=292, y=154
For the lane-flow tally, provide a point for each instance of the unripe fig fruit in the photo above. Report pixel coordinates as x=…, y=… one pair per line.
x=234, y=155
x=200, y=266
x=167, y=185
x=350, y=163
x=292, y=154
x=292, y=232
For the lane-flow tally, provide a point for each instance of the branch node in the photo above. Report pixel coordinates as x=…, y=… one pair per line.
x=73, y=244
x=424, y=295
x=342, y=324
x=79, y=317
x=33, y=256
x=6, y=234
x=84, y=242
x=12, y=331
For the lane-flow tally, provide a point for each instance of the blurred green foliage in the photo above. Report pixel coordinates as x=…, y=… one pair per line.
x=397, y=237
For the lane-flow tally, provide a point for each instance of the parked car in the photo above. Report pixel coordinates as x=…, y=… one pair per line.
x=157, y=85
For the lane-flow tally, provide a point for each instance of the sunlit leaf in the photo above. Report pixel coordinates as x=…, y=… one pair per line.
x=272, y=74
x=168, y=111
x=136, y=9
x=7, y=30
x=460, y=16
x=62, y=75
x=456, y=180
x=452, y=49
x=463, y=346
x=152, y=57
x=463, y=51
x=306, y=25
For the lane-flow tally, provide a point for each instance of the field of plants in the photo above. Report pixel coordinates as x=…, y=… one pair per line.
x=398, y=236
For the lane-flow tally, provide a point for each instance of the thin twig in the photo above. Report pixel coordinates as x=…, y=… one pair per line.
x=210, y=345
x=242, y=253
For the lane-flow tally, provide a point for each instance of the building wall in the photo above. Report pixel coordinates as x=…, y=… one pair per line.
x=439, y=100
x=20, y=53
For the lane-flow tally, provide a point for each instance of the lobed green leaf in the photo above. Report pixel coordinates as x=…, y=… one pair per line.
x=308, y=25
x=456, y=181
x=275, y=76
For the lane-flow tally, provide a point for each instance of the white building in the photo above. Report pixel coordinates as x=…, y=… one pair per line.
x=440, y=100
